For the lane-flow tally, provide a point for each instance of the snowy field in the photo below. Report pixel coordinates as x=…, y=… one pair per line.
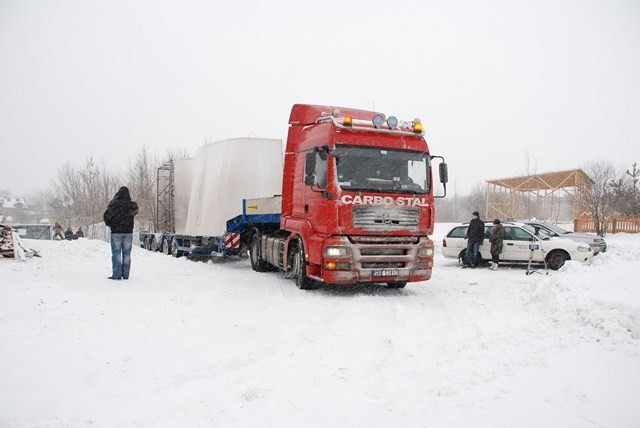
x=185, y=344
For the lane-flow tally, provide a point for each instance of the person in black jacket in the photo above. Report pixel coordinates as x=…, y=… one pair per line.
x=475, y=236
x=496, y=239
x=119, y=217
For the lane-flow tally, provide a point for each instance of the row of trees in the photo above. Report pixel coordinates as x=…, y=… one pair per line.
x=613, y=192
x=78, y=196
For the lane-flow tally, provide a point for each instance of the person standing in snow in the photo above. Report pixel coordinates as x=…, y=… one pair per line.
x=119, y=217
x=475, y=237
x=496, y=238
x=68, y=234
x=57, y=228
x=80, y=233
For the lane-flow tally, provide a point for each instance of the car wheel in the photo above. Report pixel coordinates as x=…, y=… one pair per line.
x=556, y=259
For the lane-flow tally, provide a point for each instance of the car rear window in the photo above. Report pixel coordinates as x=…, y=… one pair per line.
x=458, y=232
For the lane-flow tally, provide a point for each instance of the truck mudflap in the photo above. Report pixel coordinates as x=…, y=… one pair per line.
x=376, y=259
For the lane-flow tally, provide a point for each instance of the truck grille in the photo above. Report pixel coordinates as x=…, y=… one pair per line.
x=384, y=252
x=385, y=218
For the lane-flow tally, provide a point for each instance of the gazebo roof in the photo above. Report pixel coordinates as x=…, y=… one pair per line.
x=546, y=181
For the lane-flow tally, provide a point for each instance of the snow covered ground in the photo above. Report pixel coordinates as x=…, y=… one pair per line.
x=185, y=344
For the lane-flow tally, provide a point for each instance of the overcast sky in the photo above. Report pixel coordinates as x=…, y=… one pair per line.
x=493, y=81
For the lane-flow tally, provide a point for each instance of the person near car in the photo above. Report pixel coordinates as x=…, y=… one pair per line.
x=496, y=238
x=119, y=217
x=475, y=238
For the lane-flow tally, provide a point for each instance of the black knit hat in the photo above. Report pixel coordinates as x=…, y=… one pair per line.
x=496, y=221
x=476, y=213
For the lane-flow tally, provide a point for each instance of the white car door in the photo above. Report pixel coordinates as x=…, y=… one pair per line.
x=516, y=246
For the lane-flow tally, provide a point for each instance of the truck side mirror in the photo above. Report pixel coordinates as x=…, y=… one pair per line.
x=444, y=173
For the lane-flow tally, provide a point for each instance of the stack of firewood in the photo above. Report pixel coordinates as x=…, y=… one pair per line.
x=6, y=241
x=12, y=246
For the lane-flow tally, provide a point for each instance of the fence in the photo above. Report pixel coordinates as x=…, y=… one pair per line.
x=615, y=224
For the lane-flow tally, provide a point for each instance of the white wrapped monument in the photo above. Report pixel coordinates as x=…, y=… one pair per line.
x=225, y=173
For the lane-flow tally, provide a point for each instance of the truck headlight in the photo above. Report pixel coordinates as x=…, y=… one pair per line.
x=425, y=251
x=331, y=252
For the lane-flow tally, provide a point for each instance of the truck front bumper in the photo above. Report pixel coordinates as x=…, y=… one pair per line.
x=378, y=259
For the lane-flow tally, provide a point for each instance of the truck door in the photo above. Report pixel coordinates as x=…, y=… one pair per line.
x=316, y=195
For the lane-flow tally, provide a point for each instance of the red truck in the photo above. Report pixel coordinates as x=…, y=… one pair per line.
x=353, y=201
x=357, y=201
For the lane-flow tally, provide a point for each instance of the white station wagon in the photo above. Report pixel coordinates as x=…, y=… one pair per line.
x=520, y=244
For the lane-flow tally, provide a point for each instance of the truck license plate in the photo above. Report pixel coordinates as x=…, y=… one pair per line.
x=385, y=272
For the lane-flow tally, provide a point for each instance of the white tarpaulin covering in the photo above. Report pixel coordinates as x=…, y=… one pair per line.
x=183, y=169
x=225, y=173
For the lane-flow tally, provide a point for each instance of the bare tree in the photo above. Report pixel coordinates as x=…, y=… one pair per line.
x=65, y=194
x=176, y=153
x=141, y=179
x=599, y=198
x=78, y=197
x=528, y=199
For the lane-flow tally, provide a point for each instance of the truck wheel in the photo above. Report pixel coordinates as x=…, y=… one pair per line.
x=257, y=263
x=174, y=249
x=556, y=259
x=300, y=277
x=398, y=284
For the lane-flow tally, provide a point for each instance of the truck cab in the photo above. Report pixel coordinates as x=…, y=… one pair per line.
x=357, y=199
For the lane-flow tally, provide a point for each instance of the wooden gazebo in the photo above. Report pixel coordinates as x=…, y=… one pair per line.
x=552, y=195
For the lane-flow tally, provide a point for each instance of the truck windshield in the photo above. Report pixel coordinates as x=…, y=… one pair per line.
x=382, y=170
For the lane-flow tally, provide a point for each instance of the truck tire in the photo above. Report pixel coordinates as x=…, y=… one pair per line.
x=257, y=262
x=298, y=267
x=175, y=252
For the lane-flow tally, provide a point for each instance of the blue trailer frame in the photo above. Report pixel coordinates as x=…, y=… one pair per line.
x=204, y=247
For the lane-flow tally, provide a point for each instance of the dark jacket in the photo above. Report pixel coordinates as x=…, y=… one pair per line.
x=120, y=212
x=496, y=238
x=475, y=231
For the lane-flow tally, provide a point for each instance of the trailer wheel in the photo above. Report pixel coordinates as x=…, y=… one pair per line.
x=300, y=277
x=257, y=262
x=174, y=249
